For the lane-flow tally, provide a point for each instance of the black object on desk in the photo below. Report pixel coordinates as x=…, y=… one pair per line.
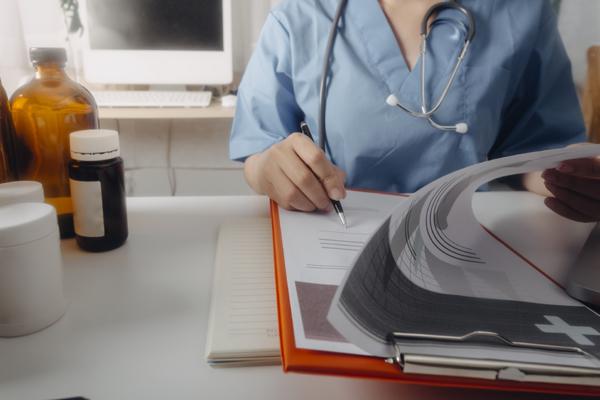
x=337, y=206
x=74, y=398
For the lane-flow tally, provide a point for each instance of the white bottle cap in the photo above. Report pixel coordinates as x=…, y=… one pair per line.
x=94, y=145
x=21, y=192
x=25, y=222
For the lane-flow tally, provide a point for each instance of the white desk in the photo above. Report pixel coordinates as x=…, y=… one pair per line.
x=137, y=320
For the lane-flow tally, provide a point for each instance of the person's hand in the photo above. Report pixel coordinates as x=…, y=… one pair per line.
x=575, y=185
x=296, y=174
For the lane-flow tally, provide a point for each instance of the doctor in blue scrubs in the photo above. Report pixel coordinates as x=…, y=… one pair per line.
x=514, y=91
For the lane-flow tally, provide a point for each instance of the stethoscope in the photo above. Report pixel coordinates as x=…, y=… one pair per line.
x=425, y=112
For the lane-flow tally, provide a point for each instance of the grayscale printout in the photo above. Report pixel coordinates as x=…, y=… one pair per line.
x=431, y=268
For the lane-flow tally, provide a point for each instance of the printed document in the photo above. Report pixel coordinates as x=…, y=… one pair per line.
x=318, y=251
x=431, y=269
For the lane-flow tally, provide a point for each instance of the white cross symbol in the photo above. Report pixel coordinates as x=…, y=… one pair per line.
x=575, y=333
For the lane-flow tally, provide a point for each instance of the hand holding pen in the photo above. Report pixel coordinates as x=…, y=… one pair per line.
x=337, y=206
x=296, y=174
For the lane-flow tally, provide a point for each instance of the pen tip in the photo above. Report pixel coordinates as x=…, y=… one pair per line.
x=343, y=219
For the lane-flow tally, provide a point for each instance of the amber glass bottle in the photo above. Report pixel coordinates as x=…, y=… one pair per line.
x=7, y=136
x=45, y=111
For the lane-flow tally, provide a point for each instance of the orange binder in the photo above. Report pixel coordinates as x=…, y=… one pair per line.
x=321, y=362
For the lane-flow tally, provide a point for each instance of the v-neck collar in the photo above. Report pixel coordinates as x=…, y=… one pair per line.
x=380, y=43
x=385, y=56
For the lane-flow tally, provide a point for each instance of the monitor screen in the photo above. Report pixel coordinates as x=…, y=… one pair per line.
x=169, y=42
x=189, y=25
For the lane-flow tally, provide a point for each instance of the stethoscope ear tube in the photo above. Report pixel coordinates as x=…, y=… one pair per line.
x=449, y=5
x=326, y=65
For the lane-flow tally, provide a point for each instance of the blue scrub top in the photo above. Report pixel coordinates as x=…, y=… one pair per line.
x=514, y=90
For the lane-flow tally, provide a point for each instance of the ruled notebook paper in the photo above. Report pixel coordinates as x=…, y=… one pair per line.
x=242, y=326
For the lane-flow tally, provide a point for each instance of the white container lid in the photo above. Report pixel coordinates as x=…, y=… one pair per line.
x=94, y=145
x=21, y=192
x=26, y=222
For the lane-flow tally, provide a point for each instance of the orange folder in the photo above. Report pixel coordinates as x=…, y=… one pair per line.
x=321, y=362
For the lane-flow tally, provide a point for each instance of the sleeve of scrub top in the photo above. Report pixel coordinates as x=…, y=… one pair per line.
x=267, y=111
x=544, y=111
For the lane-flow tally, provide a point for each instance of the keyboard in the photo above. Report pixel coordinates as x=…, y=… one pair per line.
x=151, y=98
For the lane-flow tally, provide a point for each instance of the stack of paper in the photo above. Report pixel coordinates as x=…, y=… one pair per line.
x=434, y=279
x=243, y=316
x=457, y=301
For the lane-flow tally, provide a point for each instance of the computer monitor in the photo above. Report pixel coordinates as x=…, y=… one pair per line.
x=157, y=41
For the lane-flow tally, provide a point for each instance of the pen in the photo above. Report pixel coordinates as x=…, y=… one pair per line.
x=337, y=206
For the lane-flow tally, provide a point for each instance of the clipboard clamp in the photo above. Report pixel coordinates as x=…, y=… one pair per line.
x=398, y=358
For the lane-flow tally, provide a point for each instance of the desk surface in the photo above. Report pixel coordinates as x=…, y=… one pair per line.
x=137, y=320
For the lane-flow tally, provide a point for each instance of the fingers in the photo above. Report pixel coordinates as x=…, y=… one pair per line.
x=564, y=210
x=286, y=193
x=303, y=178
x=588, y=209
x=296, y=174
x=332, y=178
x=584, y=167
x=589, y=187
x=334, y=184
x=575, y=185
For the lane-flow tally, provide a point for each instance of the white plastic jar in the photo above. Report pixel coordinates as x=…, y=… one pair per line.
x=31, y=286
x=21, y=192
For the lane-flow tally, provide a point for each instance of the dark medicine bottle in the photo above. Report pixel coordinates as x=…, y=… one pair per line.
x=45, y=111
x=7, y=137
x=97, y=190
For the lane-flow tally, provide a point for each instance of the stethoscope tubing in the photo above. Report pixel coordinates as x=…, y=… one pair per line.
x=324, y=74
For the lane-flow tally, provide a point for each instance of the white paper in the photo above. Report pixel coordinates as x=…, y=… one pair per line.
x=243, y=316
x=438, y=245
x=318, y=251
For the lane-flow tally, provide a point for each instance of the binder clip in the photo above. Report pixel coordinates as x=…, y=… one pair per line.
x=506, y=370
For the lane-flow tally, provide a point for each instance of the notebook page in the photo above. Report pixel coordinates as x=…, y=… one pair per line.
x=243, y=315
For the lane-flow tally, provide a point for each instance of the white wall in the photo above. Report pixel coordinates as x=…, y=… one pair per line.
x=248, y=18
x=13, y=60
x=579, y=24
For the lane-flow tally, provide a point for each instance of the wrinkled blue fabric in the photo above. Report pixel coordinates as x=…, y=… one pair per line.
x=514, y=90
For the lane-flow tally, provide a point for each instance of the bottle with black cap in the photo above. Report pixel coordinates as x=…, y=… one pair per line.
x=45, y=111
